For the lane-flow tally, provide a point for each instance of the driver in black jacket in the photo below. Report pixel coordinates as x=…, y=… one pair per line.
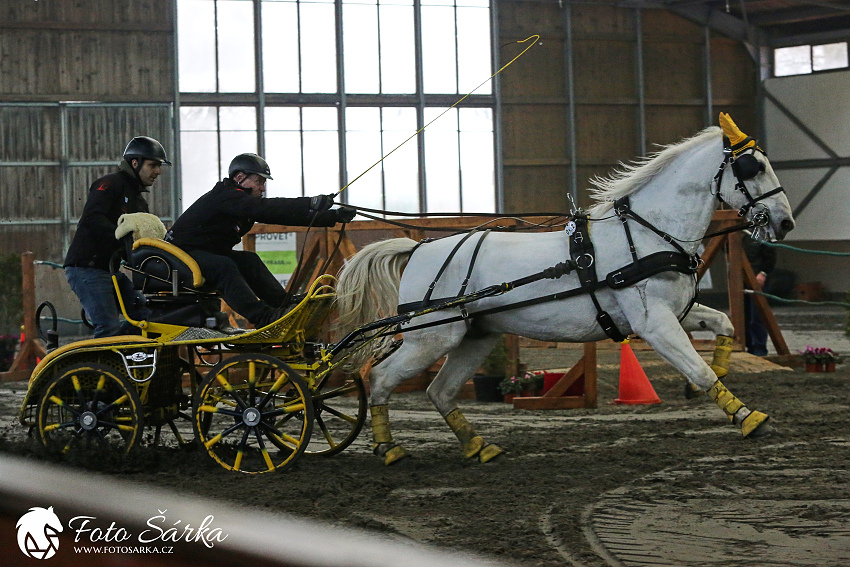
x=215, y=223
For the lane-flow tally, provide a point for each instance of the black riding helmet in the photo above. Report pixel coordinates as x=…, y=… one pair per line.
x=248, y=164
x=142, y=147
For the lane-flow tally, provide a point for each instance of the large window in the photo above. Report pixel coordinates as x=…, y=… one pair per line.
x=324, y=88
x=805, y=59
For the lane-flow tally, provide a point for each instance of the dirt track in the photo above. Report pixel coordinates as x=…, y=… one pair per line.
x=672, y=483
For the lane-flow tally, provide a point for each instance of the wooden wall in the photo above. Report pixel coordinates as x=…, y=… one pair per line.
x=107, y=51
x=86, y=50
x=609, y=46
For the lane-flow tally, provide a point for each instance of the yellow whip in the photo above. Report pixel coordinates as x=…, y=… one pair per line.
x=505, y=66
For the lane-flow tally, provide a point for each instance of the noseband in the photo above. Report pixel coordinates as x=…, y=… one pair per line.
x=744, y=167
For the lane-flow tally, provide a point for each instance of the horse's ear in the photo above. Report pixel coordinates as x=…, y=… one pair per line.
x=731, y=130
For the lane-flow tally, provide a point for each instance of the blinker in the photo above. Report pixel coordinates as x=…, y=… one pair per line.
x=746, y=167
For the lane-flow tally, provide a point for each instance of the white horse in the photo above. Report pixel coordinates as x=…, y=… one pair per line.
x=675, y=191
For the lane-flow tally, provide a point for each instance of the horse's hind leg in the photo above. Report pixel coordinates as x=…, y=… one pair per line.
x=657, y=324
x=460, y=365
x=701, y=318
x=414, y=356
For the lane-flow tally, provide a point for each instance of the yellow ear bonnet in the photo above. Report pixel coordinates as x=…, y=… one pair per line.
x=731, y=131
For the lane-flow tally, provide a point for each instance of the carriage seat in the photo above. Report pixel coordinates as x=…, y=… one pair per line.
x=171, y=280
x=160, y=266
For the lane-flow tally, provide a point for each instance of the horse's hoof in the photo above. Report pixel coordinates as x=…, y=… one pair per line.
x=692, y=391
x=489, y=452
x=395, y=454
x=473, y=447
x=755, y=425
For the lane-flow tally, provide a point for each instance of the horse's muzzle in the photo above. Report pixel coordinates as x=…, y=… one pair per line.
x=785, y=226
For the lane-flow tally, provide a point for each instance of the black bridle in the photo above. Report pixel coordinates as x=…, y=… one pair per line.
x=745, y=167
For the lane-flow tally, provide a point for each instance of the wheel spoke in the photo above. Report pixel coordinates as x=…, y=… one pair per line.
x=294, y=407
x=229, y=389
x=266, y=457
x=339, y=414
x=55, y=426
x=243, y=444
x=325, y=431
x=290, y=442
x=223, y=434
x=75, y=381
x=343, y=390
x=58, y=401
x=252, y=380
x=119, y=402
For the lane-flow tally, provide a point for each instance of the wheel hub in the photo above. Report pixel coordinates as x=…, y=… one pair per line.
x=251, y=417
x=88, y=421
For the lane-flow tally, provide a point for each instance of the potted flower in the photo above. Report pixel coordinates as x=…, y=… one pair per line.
x=526, y=384
x=532, y=383
x=820, y=359
x=510, y=386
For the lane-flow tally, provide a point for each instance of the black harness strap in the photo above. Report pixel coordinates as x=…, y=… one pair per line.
x=624, y=211
x=427, y=299
x=465, y=283
x=583, y=257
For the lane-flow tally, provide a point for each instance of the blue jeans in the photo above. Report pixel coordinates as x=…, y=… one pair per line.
x=96, y=293
x=756, y=331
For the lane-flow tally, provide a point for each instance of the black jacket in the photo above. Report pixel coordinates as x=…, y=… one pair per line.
x=217, y=221
x=109, y=197
x=761, y=256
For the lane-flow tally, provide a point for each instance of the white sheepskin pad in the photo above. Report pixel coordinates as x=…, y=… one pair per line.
x=142, y=225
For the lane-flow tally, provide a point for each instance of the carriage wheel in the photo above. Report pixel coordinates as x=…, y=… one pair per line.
x=253, y=414
x=340, y=412
x=90, y=406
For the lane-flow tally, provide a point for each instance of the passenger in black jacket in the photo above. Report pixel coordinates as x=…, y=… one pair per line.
x=215, y=223
x=87, y=262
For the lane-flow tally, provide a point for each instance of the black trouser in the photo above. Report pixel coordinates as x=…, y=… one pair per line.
x=243, y=281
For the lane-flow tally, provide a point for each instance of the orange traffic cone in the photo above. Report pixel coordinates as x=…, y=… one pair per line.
x=634, y=385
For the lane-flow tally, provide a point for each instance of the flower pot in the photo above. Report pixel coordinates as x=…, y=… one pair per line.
x=487, y=388
x=830, y=367
x=509, y=398
x=812, y=367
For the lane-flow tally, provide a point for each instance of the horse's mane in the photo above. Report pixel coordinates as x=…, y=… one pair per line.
x=629, y=177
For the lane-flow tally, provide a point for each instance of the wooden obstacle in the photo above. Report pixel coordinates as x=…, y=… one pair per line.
x=576, y=389
x=31, y=349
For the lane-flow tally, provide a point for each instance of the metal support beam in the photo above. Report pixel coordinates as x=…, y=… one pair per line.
x=566, y=12
x=641, y=94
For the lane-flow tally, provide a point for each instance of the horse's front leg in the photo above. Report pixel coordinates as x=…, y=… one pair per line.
x=656, y=323
x=461, y=363
x=701, y=318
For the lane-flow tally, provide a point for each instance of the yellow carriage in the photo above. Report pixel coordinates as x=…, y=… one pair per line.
x=255, y=398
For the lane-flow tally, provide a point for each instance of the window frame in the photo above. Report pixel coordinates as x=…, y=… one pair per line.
x=342, y=100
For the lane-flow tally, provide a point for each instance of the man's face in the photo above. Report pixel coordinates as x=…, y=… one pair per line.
x=255, y=185
x=151, y=169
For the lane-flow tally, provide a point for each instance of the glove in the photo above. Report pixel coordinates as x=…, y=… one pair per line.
x=344, y=214
x=321, y=202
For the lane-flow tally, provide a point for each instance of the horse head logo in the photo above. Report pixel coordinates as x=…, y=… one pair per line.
x=38, y=533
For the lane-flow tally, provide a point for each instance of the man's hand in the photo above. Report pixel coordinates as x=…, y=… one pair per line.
x=321, y=202
x=344, y=214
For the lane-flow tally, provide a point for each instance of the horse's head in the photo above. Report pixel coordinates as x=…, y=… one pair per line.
x=752, y=187
x=37, y=518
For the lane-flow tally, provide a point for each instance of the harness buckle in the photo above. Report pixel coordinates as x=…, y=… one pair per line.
x=589, y=262
x=617, y=278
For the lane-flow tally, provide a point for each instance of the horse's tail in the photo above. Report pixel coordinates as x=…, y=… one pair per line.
x=367, y=290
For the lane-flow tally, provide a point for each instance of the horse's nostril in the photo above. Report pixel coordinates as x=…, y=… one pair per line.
x=787, y=225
